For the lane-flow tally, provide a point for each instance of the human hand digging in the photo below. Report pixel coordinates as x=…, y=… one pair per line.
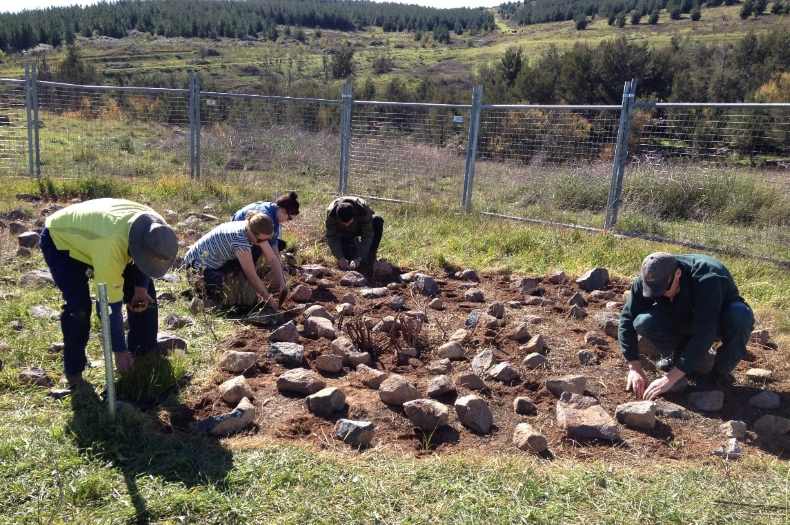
x=140, y=300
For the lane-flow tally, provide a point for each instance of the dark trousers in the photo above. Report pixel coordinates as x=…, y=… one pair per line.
x=735, y=327
x=214, y=279
x=350, y=245
x=71, y=277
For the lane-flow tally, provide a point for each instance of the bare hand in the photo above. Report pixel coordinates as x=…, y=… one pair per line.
x=124, y=361
x=658, y=387
x=636, y=381
x=140, y=300
x=342, y=263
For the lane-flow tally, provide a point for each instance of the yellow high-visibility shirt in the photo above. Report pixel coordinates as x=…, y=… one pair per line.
x=96, y=232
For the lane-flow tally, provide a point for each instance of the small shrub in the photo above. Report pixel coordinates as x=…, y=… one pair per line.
x=382, y=65
x=576, y=192
x=208, y=52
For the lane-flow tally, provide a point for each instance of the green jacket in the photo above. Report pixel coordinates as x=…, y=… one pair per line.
x=362, y=226
x=706, y=287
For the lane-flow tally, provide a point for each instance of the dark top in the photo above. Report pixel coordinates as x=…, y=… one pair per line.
x=706, y=288
x=362, y=226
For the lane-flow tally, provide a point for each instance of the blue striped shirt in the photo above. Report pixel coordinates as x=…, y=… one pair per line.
x=269, y=208
x=219, y=246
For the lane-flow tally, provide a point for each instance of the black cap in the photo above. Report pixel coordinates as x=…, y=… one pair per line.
x=345, y=211
x=152, y=245
x=658, y=270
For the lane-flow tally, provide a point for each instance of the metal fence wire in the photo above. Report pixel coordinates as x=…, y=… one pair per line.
x=706, y=175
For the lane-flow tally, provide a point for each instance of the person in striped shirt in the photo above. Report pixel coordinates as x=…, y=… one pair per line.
x=232, y=246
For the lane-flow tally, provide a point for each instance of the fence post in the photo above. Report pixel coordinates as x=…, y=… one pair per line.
x=471, y=147
x=346, y=107
x=194, y=126
x=29, y=115
x=620, y=156
x=104, y=315
x=36, y=123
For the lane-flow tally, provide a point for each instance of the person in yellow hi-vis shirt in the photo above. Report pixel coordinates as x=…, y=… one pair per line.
x=121, y=243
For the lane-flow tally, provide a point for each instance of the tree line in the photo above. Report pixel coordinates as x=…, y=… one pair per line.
x=224, y=18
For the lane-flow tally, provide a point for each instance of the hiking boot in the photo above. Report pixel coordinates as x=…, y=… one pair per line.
x=74, y=381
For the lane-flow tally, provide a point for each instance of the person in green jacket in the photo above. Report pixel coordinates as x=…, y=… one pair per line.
x=118, y=242
x=353, y=232
x=682, y=304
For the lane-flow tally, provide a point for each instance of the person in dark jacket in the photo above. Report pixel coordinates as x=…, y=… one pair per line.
x=682, y=304
x=353, y=232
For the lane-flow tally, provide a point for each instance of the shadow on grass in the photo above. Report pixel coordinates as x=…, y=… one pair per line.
x=139, y=444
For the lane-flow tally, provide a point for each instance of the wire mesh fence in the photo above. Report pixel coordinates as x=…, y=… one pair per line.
x=408, y=152
x=546, y=163
x=13, y=128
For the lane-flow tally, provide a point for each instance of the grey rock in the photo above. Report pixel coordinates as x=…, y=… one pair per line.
x=534, y=360
x=396, y=390
x=709, y=401
x=168, y=343
x=459, y=336
x=54, y=348
x=577, y=299
x=175, y=321
x=28, y=239
x=613, y=305
x=731, y=450
x=733, y=429
x=196, y=306
x=602, y=295
x=483, y=361
x=287, y=333
x=166, y=297
x=15, y=228
x=436, y=304
x=761, y=337
x=468, y=275
x=536, y=301
x=473, y=412
x=300, y=381
x=574, y=384
x=452, y=351
x=577, y=312
x=596, y=339
x=398, y=303
x=440, y=366
x=440, y=386
x=384, y=271
x=316, y=270
x=759, y=374
x=637, y=414
x=23, y=252
x=524, y=406
x=317, y=311
x=520, y=333
x=170, y=278
x=34, y=376
x=609, y=323
x=409, y=276
x=326, y=401
x=237, y=362
x=370, y=377
x=16, y=325
x=583, y=418
x=358, y=434
x=346, y=309
x=536, y=344
x=426, y=285
x=234, y=389
x=342, y=346
x=504, y=373
x=317, y=327
x=587, y=358
x=426, y=414
x=474, y=295
x=349, y=298
x=595, y=279
x=666, y=408
x=36, y=279
x=526, y=284
x=526, y=438
x=766, y=400
x=496, y=309
x=301, y=294
x=374, y=293
x=770, y=425
x=355, y=359
x=417, y=314
x=329, y=363
x=230, y=423
x=287, y=354
x=557, y=278
x=43, y=312
x=514, y=304
x=470, y=380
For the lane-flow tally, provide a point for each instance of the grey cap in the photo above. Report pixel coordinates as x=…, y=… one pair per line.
x=153, y=245
x=658, y=270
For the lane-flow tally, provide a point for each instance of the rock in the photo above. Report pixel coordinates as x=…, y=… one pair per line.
x=452, y=351
x=230, y=423
x=637, y=414
x=175, y=321
x=578, y=300
x=471, y=381
x=595, y=279
x=761, y=337
x=349, y=298
x=666, y=408
x=287, y=354
x=483, y=361
x=759, y=374
x=459, y=336
x=426, y=414
x=358, y=434
x=574, y=384
x=234, y=389
x=355, y=359
x=526, y=438
x=770, y=425
x=473, y=413
x=440, y=386
x=436, y=304
x=43, y=312
x=166, y=297
x=525, y=284
x=602, y=295
x=524, y=406
x=54, y=348
x=596, y=339
x=609, y=323
x=474, y=295
x=613, y=305
x=416, y=314
x=237, y=362
x=167, y=343
x=16, y=325
x=15, y=228
x=536, y=344
x=534, y=360
x=36, y=279
x=384, y=271
x=316, y=270
x=536, y=301
x=317, y=327
x=396, y=390
x=346, y=309
x=59, y=393
x=394, y=286
x=317, y=311
x=709, y=401
x=23, y=252
x=731, y=450
x=583, y=418
x=426, y=285
x=534, y=319
x=504, y=373
x=342, y=346
x=324, y=284
x=514, y=304
x=386, y=324
x=440, y=366
x=557, y=278
x=370, y=377
x=409, y=276
x=374, y=293
x=170, y=278
x=476, y=317
x=170, y=215
x=496, y=309
x=329, y=363
x=398, y=303
x=587, y=358
x=519, y=333
x=733, y=429
x=196, y=306
x=766, y=400
x=577, y=312
x=287, y=333
x=28, y=239
x=326, y=401
x=300, y=381
x=301, y=293
x=34, y=376
x=468, y=275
